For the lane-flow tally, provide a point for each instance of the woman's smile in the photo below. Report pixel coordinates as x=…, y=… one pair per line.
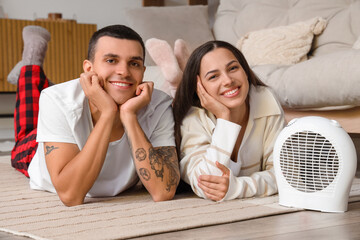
x=231, y=93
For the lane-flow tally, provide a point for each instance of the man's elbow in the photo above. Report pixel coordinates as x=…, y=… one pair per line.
x=71, y=200
x=163, y=196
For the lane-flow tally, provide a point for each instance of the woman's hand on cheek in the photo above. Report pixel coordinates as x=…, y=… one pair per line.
x=210, y=103
x=215, y=187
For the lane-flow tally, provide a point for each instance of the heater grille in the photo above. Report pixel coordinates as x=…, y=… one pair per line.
x=309, y=162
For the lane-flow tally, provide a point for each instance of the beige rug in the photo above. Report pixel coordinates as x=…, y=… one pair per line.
x=41, y=215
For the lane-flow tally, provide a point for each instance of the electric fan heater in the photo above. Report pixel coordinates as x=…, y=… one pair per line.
x=315, y=163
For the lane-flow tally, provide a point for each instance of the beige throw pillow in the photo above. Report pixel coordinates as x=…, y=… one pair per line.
x=284, y=45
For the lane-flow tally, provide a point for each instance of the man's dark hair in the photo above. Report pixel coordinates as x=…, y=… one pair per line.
x=116, y=31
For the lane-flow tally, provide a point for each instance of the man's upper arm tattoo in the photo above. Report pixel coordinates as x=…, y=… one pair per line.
x=161, y=157
x=49, y=149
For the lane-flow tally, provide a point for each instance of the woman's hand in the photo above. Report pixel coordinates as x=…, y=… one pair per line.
x=211, y=104
x=215, y=187
x=93, y=89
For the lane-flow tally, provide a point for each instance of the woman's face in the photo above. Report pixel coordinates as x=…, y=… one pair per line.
x=224, y=78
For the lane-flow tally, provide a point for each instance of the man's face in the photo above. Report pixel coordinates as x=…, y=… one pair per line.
x=120, y=64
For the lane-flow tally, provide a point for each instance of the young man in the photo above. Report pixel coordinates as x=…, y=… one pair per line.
x=95, y=135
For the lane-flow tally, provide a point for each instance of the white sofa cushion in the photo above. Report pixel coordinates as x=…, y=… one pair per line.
x=284, y=45
x=357, y=44
x=154, y=74
x=328, y=80
x=189, y=23
x=331, y=76
x=235, y=18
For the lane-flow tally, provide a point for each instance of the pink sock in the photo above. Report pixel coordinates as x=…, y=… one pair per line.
x=163, y=55
x=181, y=52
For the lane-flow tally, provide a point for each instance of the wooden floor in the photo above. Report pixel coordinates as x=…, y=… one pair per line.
x=298, y=225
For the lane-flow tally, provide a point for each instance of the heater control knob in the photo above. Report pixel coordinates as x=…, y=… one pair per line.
x=335, y=123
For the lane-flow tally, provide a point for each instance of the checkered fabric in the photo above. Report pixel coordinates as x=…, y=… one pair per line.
x=31, y=82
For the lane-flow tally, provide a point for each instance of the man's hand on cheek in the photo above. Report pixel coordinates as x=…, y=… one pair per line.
x=92, y=85
x=142, y=98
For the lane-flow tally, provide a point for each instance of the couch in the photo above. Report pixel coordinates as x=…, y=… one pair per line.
x=306, y=51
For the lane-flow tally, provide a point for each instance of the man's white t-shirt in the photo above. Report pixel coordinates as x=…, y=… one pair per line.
x=64, y=116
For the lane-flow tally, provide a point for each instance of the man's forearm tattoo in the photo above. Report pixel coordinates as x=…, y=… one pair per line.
x=140, y=154
x=173, y=165
x=145, y=174
x=156, y=156
x=49, y=149
x=165, y=156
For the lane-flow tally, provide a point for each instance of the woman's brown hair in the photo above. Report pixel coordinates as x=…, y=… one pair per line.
x=186, y=95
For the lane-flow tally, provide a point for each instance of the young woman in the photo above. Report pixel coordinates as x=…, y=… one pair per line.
x=226, y=123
